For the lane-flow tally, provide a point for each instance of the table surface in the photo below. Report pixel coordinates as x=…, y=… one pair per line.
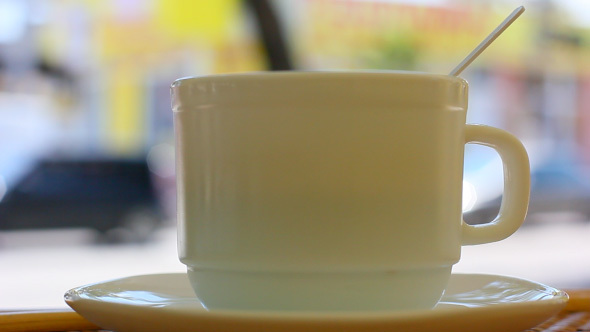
x=574, y=318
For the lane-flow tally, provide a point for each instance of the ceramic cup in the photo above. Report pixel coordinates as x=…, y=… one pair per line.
x=333, y=191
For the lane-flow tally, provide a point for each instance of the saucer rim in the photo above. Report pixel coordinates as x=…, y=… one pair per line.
x=556, y=297
x=129, y=317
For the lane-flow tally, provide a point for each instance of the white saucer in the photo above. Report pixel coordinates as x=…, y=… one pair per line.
x=166, y=302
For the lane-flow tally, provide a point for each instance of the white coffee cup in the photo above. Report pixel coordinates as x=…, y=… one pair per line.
x=330, y=191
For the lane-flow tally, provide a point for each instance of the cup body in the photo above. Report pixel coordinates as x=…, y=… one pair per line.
x=319, y=190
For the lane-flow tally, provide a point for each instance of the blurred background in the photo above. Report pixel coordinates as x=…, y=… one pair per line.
x=86, y=137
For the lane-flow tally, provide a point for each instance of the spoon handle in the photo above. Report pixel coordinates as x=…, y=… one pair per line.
x=486, y=42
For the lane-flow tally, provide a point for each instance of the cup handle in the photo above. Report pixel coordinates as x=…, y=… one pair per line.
x=517, y=185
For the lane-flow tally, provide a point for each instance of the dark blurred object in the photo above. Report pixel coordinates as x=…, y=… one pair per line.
x=54, y=71
x=557, y=187
x=114, y=197
x=271, y=33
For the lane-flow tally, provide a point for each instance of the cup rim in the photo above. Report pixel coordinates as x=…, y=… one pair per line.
x=298, y=74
